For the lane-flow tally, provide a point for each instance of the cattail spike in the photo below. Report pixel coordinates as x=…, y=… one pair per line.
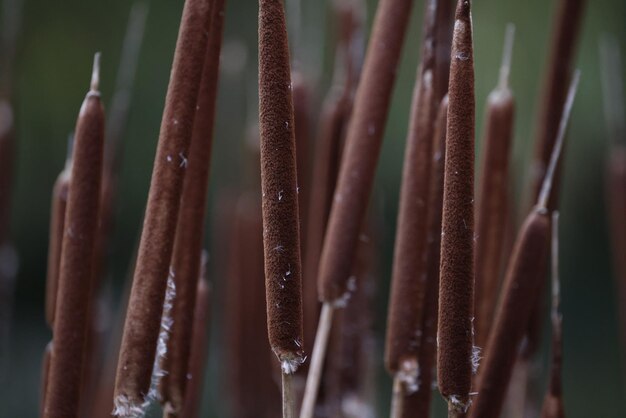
x=95, y=73
x=507, y=55
x=546, y=187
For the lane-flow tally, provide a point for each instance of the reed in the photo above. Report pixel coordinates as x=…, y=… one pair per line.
x=71, y=319
x=281, y=232
x=408, y=285
x=522, y=283
x=187, y=250
x=143, y=320
x=455, y=349
x=553, y=401
x=493, y=196
x=354, y=184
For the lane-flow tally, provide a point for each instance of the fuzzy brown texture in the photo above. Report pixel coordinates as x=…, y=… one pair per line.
x=363, y=142
x=521, y=286
x=418, y=404
x=72, y=319
x=443, y=41
x=409, y=272
x=57, y=220
x=281, y=229
x=45, y=371
x=190, y=228
x=253, y=387
x=456, y=293
x=143, y=321
x=616, y=203
x=199, y=347
x=562, y=53
x=492, y=207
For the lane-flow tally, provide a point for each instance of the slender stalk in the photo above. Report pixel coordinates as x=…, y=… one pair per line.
x=408, y=285
x=521, y=287
x=289, y=401
x=72, y=316
x=493, y=197
x=143, y=321
x=397, y=399
x=187, y=250
x=45, y=372
x=456, y=293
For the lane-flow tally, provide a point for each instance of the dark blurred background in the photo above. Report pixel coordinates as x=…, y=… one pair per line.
x=53, y=66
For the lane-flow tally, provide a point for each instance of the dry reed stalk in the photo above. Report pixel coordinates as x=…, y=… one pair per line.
x=363, y=142
x=143, y=321
x=72, y=315
x=418, y=404
x=199, y=347
x=566, y=30
x=493, y=196
x=455, y=349
x=328, y=146
x=613, y=92
x=279, y=184
x=520, y=291
x=553, y=401
x=187, y=251
x=57, y=222
x=408, y=285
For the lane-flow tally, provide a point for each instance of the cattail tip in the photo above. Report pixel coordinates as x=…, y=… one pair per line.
x=95, y=73
x=507, y=54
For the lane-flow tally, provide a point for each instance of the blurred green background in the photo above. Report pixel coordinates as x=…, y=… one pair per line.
x=56, y=44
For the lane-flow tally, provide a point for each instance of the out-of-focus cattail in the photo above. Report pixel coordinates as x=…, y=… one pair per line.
x=281, y=232
x=408, y=286
x=523, y=281
x=445, y=19
x=613, y=92
x=190, y=229
x=553, y=401
x=72, y=317
x=418, y=404
x=363, y=142
x=456, y=292
x=493, y=196
x=199, y=345
x=57, y=222
x=565, y=34
x=143, y=321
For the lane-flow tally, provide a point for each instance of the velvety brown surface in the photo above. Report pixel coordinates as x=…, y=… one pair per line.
x=279, y=185
x=363, y=141
x=55, y=241
x=520, y=291
x=418, y=404
x=456, y=293
x=409, y=272
x=143, y=321
x=492, y=208
x=190, y=228
x=72, y=319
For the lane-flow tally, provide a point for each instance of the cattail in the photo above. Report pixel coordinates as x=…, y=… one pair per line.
x=553, y=402
x=493, y=196
x=521, y=286
x=281, y=239
x=199, y=345
x=189, y=231
x=567, y=23
x=363, y=142
x=613, y=92
x=408, y=286
x=443, y=42
x=143, y=321
x=57, y=222
x=456, y=293
x=72, y=317
x=418, y=404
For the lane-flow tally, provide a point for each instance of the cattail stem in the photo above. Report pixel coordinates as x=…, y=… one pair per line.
x=456, y=293
x=289, y=401
x=317, y=360
x=143, y=321
x=72, y=318
x=397, y=404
